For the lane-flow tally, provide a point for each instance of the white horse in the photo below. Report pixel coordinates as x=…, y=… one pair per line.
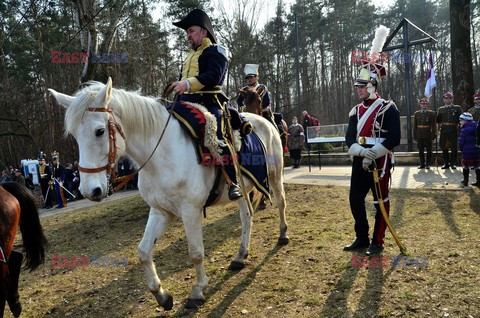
x=172, y=182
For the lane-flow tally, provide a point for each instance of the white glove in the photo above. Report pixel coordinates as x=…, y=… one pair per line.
x=377, y=151
x=366, y=163
x=357, y=150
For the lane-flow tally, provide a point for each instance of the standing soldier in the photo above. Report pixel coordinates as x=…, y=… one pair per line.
x=373, y=131
x=45, y=177
x=475, y=110
x=448, y=120
x=58, y=176
x=424, y=132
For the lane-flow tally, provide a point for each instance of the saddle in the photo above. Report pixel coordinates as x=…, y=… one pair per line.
x=201, y=126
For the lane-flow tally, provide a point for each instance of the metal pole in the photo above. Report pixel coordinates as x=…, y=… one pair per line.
x=407, y=85
x=297, y=62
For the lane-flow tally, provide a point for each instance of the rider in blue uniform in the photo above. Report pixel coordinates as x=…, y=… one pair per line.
x=203, y=73
x=251, y=76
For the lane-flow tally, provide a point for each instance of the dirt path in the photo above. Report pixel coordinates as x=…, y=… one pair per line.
x=85, y=203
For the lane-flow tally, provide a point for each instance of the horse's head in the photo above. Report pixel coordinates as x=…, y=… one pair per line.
x=253, y=99
x=90, y=119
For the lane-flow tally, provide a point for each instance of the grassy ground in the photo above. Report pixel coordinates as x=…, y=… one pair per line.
x=310, y=277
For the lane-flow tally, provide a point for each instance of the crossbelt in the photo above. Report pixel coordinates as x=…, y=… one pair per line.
x=370, y=140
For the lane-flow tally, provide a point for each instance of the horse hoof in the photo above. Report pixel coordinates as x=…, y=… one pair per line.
x=283, y=240
x=194, y=303
x=168, y=304
x=165, y=300
x=15, y=308
x=236, y=266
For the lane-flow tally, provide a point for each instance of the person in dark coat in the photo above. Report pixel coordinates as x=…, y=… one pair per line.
x=58, y=178
x=296, y=138
x=467, y=143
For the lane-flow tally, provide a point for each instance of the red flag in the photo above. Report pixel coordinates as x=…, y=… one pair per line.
x=431, y=83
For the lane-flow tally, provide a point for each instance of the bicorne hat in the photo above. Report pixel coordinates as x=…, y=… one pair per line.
x=41, y=156
x=200, y=18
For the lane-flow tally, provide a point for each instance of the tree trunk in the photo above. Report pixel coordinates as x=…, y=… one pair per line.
x=461, y=53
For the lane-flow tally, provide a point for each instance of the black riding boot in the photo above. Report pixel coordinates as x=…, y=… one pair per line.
x=421, y=155
x=466, y=172
x=477, y=173
x=13, y=299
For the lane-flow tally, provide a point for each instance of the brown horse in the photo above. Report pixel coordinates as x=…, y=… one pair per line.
x=18, y=208
x=253, y=104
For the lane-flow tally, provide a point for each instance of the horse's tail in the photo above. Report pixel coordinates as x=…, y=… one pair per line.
x=34, y=241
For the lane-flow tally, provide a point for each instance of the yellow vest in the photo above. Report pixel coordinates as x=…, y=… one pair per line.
x=190, y=67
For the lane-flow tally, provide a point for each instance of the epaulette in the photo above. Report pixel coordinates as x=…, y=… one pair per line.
x=222, y=50
x=386, y=104
x=353, y=112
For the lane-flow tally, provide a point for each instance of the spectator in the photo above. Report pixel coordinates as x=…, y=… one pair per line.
x=69, y=181
x=467, y=144
x=19, y=177
x=309, y=121
x=295, y=142
x=76, y=181
x=5, y=177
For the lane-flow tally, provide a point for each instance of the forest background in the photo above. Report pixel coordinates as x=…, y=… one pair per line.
x=153, y=51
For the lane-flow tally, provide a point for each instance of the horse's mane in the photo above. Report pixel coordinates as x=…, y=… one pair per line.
x=251, y=96
x=133, y=110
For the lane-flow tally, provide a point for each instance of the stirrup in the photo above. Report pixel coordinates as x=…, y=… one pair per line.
x=234, y=192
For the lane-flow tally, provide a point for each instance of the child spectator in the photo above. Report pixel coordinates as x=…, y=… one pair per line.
x=467, y=140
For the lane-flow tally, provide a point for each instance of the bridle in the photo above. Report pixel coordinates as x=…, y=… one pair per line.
x=113, y=126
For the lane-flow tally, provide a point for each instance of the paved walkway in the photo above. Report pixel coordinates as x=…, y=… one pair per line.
x=406, y=177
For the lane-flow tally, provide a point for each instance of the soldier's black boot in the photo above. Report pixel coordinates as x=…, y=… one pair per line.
x=234, y=192
x=445, y=160
x=422, y=161
x=262, y=205
x=374, y=249
x=477, y=173
x=357, y=244
x=466, y=172
x=429, y=160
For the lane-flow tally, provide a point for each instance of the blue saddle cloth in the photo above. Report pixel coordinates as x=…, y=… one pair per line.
x=252, y=156
x=253, y=161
